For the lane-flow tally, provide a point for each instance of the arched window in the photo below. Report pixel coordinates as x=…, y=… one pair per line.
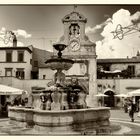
x=74, y=30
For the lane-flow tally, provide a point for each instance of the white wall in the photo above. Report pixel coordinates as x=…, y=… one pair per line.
x=45, y=71
x=124, y=83
x=2, y=56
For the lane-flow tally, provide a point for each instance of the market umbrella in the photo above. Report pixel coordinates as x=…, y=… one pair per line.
x=7, y=90
x=134, y=93
x=120, y=95
x=101, y=95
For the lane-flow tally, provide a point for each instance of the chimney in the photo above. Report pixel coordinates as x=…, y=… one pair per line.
x=14, y=40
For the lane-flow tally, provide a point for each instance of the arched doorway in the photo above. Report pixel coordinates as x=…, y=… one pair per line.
x=110, y=100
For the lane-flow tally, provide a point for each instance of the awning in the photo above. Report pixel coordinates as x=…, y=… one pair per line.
x=101, y=95
x=112, y=72
x=134, y=93
x=121, y=95
x=7, y=90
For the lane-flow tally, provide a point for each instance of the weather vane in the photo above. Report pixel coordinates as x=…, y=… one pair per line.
x=120, y=31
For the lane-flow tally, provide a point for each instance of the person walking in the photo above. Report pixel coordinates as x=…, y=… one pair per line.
x=131, y=109
x=125, y=105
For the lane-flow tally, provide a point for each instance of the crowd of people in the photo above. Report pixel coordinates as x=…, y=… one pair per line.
x=20, y=100
x=16, y=102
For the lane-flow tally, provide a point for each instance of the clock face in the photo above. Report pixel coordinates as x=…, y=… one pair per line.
x=74, y=45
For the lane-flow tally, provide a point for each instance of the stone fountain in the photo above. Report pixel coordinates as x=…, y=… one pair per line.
x=63, y=109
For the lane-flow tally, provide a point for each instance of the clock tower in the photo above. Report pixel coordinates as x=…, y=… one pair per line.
x=82, y=51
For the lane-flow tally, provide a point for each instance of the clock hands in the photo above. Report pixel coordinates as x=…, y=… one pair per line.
x=74, y=45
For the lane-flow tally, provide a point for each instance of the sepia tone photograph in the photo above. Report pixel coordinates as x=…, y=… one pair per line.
x=70, y=70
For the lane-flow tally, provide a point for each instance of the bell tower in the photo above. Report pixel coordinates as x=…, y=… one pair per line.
x=81, y=50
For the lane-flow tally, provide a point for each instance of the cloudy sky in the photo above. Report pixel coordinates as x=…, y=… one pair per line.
x=41, y=25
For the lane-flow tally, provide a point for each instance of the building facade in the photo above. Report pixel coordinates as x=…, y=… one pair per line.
x=117, y=76
x=123, y=67
x=27, y=69
x=16, y=62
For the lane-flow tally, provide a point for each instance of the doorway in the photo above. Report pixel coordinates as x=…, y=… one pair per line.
x=110, y=100
x=3, y=107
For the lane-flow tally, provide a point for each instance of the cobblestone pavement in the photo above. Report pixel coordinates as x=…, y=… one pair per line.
x=121, y=115
x=128, y=128
x=118, y=118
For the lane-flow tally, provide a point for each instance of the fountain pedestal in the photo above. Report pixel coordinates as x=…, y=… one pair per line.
x=81, y=103
x=64, y=101
x=55, y=105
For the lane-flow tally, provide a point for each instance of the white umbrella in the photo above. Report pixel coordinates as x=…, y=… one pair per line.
x=134, y=93
x=121, y=95
x=7, y=90
x=101, y=95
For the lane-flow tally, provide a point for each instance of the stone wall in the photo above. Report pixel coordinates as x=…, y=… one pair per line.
x=49, y=74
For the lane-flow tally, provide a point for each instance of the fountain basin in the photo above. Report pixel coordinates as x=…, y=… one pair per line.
x=95, y=120
x=59, y=47
x=59, y=63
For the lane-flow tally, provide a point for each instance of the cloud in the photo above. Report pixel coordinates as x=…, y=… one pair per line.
x=22, y=33
x=3, y=30
x=18, y=33
x=136, y=17
x=93, y=30
x=115, y=48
